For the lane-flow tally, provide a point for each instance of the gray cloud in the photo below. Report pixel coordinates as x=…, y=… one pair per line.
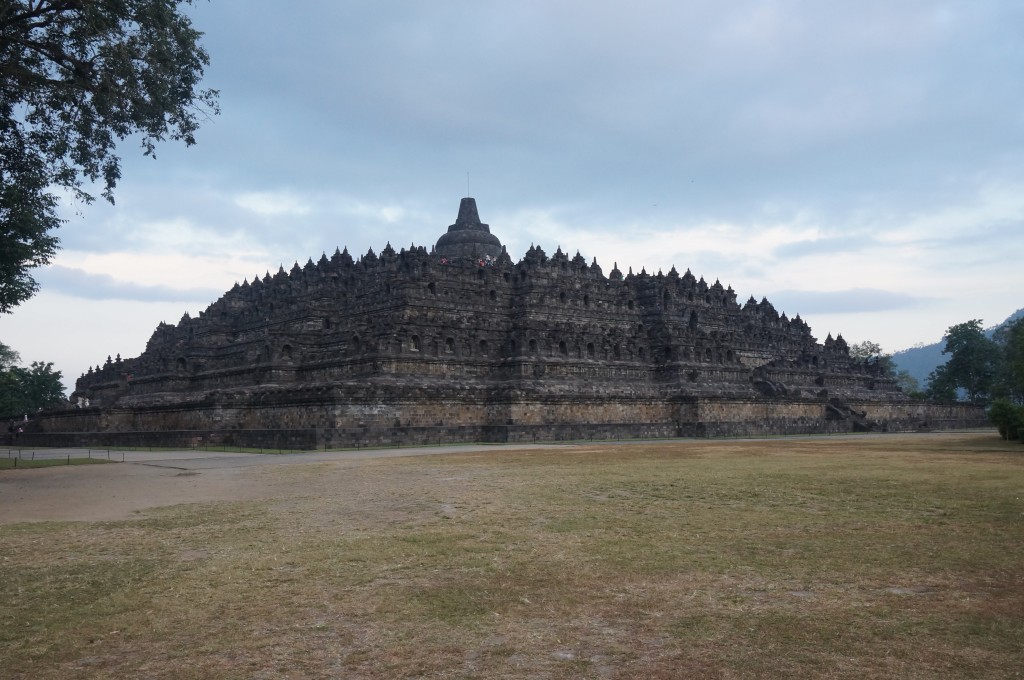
x=855, y=114
x=81, y=284
x=825, y=246
x=852, y=301
x=595, y=97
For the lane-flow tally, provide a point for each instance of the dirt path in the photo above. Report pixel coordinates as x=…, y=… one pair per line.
x=148, y=480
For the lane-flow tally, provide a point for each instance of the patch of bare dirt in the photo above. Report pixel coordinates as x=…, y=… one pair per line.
x=118, y=491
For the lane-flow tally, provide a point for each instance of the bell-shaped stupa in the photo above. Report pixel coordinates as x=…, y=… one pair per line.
x=468, y=237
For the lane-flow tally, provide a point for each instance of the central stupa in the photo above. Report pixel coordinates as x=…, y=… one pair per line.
x=468, y=237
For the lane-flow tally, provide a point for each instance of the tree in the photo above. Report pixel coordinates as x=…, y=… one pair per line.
x=8, y=380
x=865, y=350
x=40, y=386
x=941, y=386
x=909, y=384
x=26, y=390
x=973, y=365
x=76, y=78
x=1010, y=339
x=871, y=353
x=8, y=357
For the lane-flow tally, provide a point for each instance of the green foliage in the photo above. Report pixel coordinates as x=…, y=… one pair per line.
x=9, y=390
x=76, y=78
x=1008, y=417
x=910, y=385
x=865, y=350
x=941, y=386
x=26, y=390
x=870, y=352
x=1010, y=339
x=973, y=366
x=8, y=357
x=27, y=219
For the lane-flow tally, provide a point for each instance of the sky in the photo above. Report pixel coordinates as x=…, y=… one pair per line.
x=859, y=164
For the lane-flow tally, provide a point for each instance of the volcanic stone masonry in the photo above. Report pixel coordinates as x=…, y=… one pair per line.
x=462, y=344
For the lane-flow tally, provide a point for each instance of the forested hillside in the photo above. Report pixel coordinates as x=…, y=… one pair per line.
x=920, y=361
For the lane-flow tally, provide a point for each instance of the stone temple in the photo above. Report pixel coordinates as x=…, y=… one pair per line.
x=460, y=343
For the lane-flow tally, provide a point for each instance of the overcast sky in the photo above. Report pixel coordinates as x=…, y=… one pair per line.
x=858, y=163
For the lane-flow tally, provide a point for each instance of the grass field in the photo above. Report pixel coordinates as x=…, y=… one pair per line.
x=24, y=463
x=870, y=557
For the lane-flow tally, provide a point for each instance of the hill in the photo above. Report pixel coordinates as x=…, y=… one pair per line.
x=921, y=360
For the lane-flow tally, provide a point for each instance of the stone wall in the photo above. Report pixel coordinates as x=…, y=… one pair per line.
x=278, y=421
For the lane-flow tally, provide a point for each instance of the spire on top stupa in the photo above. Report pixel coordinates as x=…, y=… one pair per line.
x=468, y=237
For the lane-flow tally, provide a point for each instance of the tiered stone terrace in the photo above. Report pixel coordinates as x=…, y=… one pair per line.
x=461, y=343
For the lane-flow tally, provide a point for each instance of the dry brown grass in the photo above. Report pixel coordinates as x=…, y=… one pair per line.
x=881, y=557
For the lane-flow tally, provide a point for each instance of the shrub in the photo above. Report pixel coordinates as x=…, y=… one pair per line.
x=1008, y=417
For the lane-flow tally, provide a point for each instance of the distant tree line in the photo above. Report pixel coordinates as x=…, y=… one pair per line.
x=980, y=370
x=25, y=390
